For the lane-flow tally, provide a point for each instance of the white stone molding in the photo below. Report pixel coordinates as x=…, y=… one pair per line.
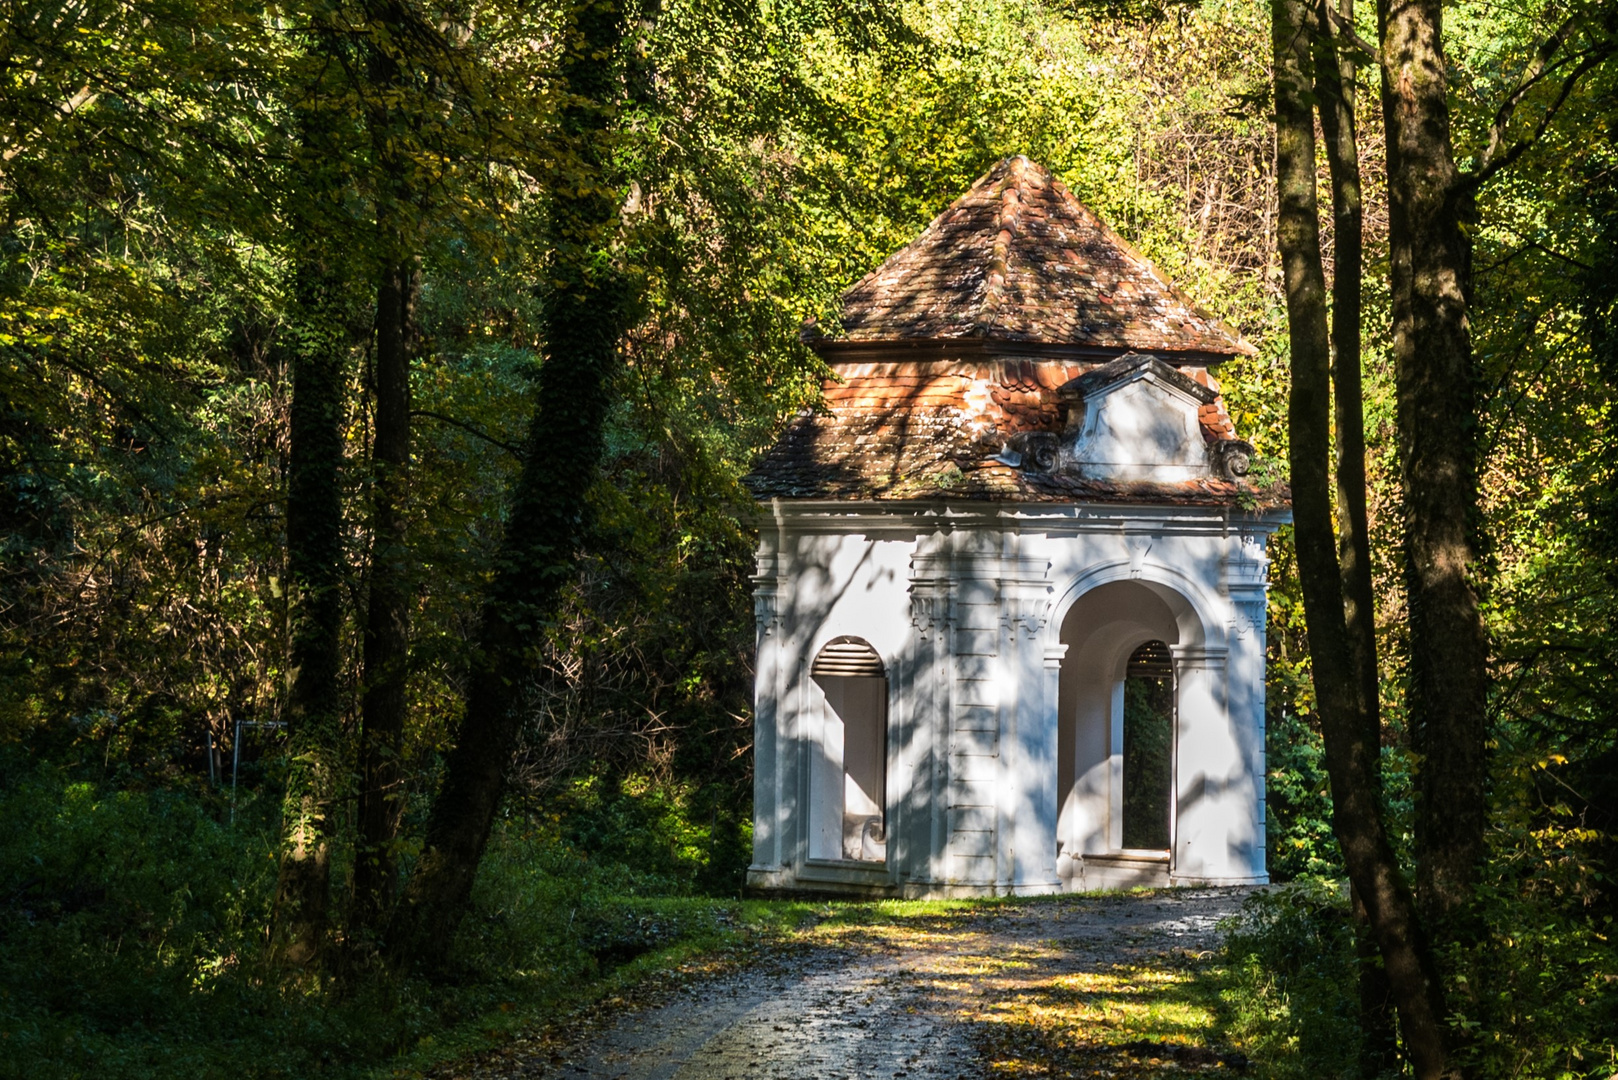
x=1139, y=547
x=1198, y=658
x=766, y=608
x=929, y=608
x=1249, y=618
x=1023, y=608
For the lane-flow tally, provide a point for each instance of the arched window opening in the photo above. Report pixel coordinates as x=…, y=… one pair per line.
x=1148, y=747
x=848, y=781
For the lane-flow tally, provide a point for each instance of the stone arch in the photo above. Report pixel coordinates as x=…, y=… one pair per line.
x=1197, y=613
x=1099, y=620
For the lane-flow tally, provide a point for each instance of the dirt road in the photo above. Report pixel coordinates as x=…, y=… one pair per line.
x=942, y=997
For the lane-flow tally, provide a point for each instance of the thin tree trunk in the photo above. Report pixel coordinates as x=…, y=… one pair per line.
x=1335, y=82
x=384, y=703
x=1379, y=1038
x=586, y=312
x=315, y=614
x=1352, y=751
x=1334, y=78
x=1430, y=258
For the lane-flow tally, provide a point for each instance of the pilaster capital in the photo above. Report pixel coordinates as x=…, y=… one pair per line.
x=929, y=612
x=1248, y=612
x=1025, y=604
x=929, y=605
x=766, y=607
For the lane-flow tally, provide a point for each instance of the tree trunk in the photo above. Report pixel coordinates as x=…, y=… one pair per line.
x=1379, y=1039
x=586, y=311
x=384, y=703
x=315, y=615
x=1428, y=205
x=1352, y=750
x=1334, y=80
x=1334, y=84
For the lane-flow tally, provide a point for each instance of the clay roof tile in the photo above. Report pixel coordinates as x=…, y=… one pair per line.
x=1018, y=258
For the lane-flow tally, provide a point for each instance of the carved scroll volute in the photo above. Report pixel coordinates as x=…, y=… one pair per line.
x=929, y=610
x=766, y=612
x=1030, y=611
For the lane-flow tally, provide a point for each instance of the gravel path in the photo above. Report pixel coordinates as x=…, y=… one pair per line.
x=886, y=1005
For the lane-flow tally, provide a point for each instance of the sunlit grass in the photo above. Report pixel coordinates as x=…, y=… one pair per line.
x=1037, y=1008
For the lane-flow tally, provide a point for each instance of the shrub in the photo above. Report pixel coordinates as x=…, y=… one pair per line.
x=1291, y=995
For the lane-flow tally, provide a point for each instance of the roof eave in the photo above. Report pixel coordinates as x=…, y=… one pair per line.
x=844, y=350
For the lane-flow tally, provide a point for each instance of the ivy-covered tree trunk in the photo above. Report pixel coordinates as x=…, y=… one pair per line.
x=314, y=703
x=1429, y=203
x=1351, y=738
x=587, y=307
x=384, y=699
x=384, y=703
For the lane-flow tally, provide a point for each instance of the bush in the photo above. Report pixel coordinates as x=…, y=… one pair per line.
x=680, y=839
x=1291, y=995
x=1298, y=802
x=132, y=925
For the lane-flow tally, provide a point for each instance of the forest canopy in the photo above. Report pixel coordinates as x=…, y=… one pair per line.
x=376, y=383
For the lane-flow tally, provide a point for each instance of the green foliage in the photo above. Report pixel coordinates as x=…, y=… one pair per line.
x=1148, y=761
x=679, y=837
x=131, y=939
x=1297, y=803
x=1290, y=994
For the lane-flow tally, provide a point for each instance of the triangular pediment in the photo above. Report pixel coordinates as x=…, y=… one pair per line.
x=1131, y=368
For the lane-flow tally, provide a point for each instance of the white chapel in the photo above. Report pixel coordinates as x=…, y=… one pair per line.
x=1011, y=577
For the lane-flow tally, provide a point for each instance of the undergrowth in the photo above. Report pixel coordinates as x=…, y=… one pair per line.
x=1288, y=990
x=132, y=922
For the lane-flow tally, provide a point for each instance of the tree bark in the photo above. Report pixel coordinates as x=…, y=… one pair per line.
x=586, y=312
x=1334, y=85
x=384, y=703
x=1430, y=262
x=1334, y=81
x=1352, y=750
x=314, y=708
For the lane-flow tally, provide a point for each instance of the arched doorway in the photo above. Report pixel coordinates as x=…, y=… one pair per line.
x=1117, y=723
x=849, y=754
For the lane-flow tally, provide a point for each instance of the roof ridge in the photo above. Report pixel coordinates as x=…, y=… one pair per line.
x=1018, y=258
x=1007, y=217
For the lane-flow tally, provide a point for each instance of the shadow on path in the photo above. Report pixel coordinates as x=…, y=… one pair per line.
x=1075, y=986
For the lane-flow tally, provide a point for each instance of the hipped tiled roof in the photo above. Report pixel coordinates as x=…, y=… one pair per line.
x=1018, y=259
x=951, y=356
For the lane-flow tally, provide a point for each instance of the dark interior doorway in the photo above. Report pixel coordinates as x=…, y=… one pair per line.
x=1148, y=747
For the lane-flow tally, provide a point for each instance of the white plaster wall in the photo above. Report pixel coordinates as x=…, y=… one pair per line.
x=1004, y=632
x=827, y=585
